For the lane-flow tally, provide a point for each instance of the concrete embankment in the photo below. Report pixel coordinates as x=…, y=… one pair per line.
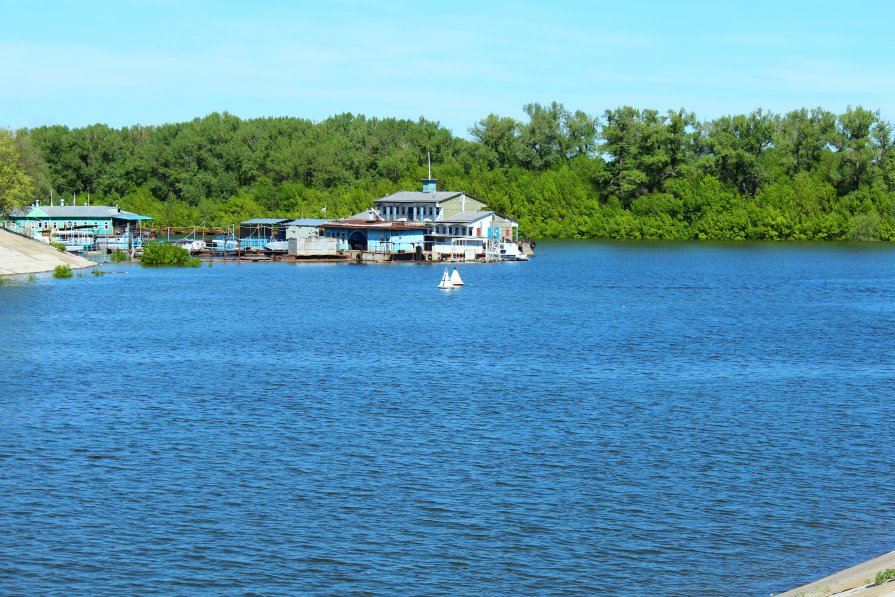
x=21, y=255
x=857, y=581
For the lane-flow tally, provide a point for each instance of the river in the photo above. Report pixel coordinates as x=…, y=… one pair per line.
x=616, y=418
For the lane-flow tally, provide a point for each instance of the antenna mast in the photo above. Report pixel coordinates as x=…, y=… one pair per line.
x=429, y=160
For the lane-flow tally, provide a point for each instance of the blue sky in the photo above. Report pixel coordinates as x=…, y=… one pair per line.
x=150, y=62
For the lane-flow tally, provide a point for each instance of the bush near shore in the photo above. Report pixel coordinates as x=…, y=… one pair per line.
x=165, y=255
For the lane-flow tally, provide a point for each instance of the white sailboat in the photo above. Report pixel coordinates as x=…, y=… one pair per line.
x=456, y=280
x=445, y=283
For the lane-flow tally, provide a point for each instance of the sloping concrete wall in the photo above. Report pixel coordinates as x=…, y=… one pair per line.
x=21, y=255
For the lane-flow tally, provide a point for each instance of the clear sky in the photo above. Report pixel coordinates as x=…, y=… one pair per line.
x=148, y=62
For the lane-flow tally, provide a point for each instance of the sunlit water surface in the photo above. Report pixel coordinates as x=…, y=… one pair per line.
x=625, y=418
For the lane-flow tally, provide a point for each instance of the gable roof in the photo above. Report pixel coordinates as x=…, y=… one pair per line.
x=419, y=197
x=82, y=211
x=466, y=217
x=370, y=215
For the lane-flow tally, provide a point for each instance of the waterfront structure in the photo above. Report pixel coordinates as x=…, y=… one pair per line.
x=429, y=224
x=256, y=233
x=449, y=213
x=43, y=221
x=303, y=227
x=377, y=236
x=428, y=205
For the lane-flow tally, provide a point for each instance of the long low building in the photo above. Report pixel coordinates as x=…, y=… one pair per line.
x=101, y=220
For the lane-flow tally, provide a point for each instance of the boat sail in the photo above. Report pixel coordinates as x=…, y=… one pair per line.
x=456, y=280
x=445, y=283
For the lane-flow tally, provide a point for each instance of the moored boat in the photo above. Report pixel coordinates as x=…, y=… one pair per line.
x=510, y=251
x=193, y=246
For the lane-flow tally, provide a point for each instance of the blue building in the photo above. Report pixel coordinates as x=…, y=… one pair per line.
x=46, y=220
x=377, y=236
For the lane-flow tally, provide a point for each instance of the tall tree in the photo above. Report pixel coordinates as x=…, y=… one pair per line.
x=499, y=136
x=16, y=187
x=736, y=147
x=855, y=147
x=544, y=142
x=802, y=138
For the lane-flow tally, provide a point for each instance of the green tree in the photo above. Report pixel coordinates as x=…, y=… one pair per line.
x=736, y=146
x=16, y=187
x=855, y=147
x=499, y=138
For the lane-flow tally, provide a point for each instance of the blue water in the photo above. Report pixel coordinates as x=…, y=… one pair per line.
x=625, y=418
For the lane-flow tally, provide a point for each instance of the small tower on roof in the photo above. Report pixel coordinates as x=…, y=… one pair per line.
x=429, y=184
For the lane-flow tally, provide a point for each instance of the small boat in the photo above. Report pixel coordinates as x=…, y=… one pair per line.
x=510, y=251
x=220, y=245
x=445, y=283
x=277, y=246
x=456, y=280
x=193, y=246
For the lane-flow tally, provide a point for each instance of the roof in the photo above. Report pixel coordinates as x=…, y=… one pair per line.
x=129, y=216
x=370, y=215
x=306, y=222
x=466, y=217
x=82, y=211
x=266, y=221
x=419, y=197
x=504, y=218
x=383, y=225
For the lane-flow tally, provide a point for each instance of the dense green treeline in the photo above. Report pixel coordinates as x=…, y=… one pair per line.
x=629, y=173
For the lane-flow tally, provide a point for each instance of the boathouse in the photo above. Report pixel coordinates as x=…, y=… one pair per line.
x=449, y=214
x=101, y=220
x=466, y=234
x=377, y=236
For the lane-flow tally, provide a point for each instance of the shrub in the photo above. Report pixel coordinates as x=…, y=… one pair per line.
x=62, y=271
x=864, y=227
x=885, y=576
x=59, y=246
x=163, y=254
x=118, y=255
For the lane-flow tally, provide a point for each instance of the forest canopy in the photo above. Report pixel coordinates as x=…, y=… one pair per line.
x=626, y=173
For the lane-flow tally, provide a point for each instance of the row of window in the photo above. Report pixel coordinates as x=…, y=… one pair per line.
x=405, y=211
x=72, y=224
x=457, y=231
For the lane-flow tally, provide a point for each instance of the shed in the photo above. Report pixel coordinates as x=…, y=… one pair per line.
x=303, y=227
